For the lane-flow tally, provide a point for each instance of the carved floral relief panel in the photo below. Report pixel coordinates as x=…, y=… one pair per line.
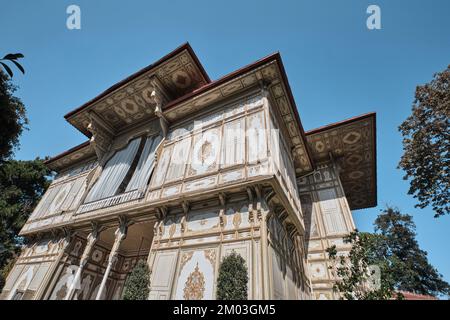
x=196, y=276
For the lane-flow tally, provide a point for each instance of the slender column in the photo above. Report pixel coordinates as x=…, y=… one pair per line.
x=120, y=234
x=263, y=217
x=91, y=240
x=265, y=256
x=253, y=216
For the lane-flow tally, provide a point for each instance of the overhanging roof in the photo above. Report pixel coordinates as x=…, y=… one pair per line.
x=128, y=101
x=352, y=143
x=73, y=155
x=124, y=104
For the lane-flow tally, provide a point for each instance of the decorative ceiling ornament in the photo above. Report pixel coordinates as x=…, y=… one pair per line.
x=352, y=143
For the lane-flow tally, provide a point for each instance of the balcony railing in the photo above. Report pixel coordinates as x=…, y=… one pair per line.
x=111, y=201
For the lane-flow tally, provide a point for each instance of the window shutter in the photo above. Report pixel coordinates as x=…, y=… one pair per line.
x=145, y=165
x=114, y=172
x=73, y=193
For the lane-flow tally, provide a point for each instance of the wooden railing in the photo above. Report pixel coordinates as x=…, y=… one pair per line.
x=111, y=201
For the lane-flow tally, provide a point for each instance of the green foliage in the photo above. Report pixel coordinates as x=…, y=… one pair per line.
x=13, y=117
x=408, y=264
x=356, y=281
x=233, y=279
x=393, y=248
x=137, y=285
x=12, y=58
x=22, y=184
x=426, y=144
x=6, y=269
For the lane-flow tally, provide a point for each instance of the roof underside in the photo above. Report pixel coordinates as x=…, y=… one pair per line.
x=352, y=143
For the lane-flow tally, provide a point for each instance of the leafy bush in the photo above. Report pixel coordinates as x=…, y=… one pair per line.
x=232, y=280
x=137, y=285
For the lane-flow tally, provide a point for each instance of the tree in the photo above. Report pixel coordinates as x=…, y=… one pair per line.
x=409, y=265
x=232, y=279
x=394, y=250
x=426, y=145
x=137, y=285
x=12, y=57
x=13, y=117
x=356, y=278
x=5, y=271
x=22, y=184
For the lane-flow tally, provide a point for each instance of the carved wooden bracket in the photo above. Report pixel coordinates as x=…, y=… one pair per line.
x=185, y=205
x=222, y=198
x=161, y=213
x=67, y=234
x=223, y=202
x=123, y=225
x=291, y=230
x=251, y=197
x=102, y=135
x=259, y=199
x=162, y=121
x=159, y=99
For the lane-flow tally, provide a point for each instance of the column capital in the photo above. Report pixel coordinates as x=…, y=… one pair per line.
x=66, y=237
x=90, y=242
x=120, y=235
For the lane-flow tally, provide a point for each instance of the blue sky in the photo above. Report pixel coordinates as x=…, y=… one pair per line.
x=337, y=68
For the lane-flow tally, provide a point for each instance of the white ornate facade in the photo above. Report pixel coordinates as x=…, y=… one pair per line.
x=181, y=170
